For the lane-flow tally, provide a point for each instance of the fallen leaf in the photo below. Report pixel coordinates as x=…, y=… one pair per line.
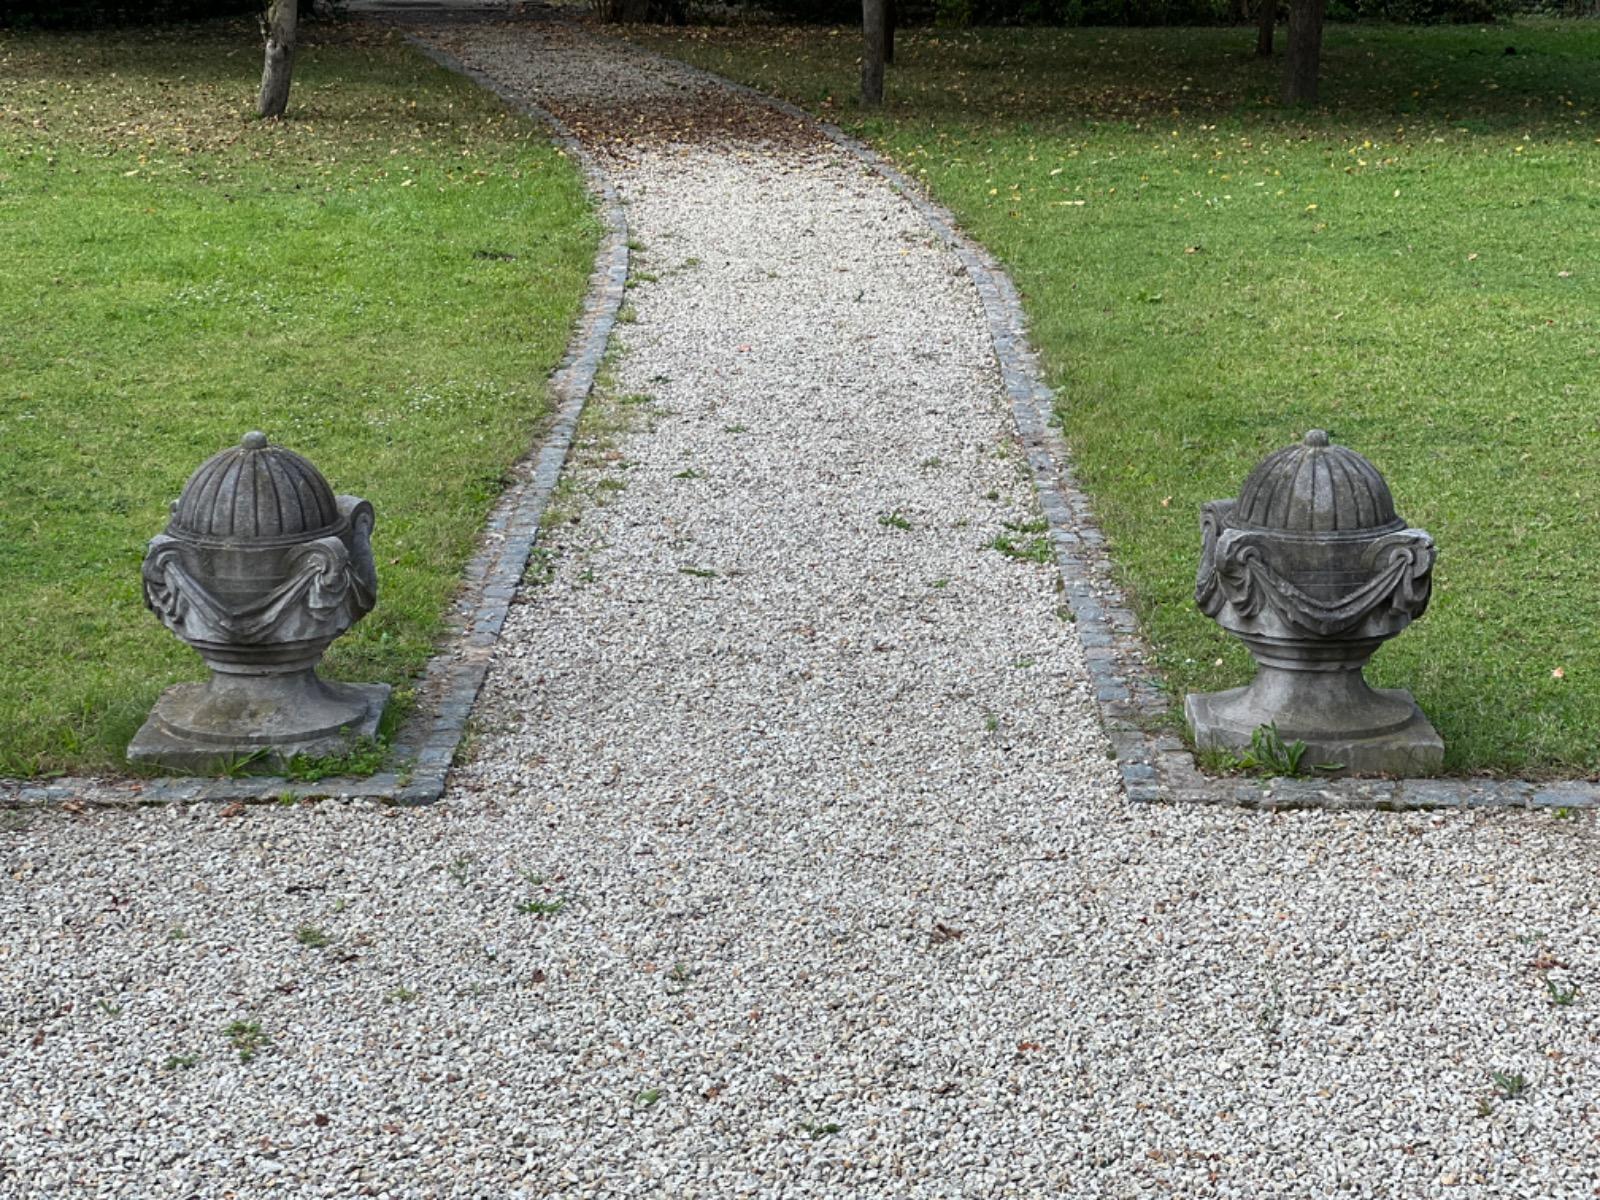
x=1558, y=673
x=236, y=809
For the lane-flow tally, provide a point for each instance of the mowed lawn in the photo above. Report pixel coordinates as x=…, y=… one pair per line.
x=382, y=282
x=1415, y=266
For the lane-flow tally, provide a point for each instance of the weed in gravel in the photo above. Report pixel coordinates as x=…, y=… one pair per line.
x=541, y=566
x=310, y=935
x=893, y=520
x=1510, y=1086
x=633, y=399
x=542, y=908
x=736, y=429
x=463, y=869
x=816, y=1132
x=108, y=1007
x=689, y=473
x=177, y=934
x=697, y=572
x=401, y=995
x=471, y=731
x=1034, y=549
x=180, y=1062
x=246, y=1037
x=1561, y=996
x=648, y=1097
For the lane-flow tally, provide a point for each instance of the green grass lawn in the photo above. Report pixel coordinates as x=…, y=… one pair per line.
x=382, y=282
x=1416, y=267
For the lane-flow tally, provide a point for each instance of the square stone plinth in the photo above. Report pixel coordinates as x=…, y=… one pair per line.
x=1415, y=749
x=160, y=745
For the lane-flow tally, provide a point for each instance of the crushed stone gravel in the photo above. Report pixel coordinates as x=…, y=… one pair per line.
x=788, y=861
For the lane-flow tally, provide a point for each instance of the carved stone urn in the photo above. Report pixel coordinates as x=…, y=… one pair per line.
x=261, y=567
x=1312, y=570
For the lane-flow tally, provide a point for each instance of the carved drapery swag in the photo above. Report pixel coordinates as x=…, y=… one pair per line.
x=326, y=589
x=1233, y=571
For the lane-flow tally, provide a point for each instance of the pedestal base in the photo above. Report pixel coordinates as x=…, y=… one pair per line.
x=167, y=740
x=1226, y=720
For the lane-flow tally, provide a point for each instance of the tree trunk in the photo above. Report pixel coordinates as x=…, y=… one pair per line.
x=873, y=25
x=280, y=29
x=1304, y=60
x=1266, y=18
x=891, y=14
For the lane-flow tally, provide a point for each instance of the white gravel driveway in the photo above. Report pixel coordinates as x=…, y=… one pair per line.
x=789, y=862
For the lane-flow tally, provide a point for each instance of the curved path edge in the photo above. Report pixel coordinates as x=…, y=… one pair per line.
x=1156, y=765
x=418, y=763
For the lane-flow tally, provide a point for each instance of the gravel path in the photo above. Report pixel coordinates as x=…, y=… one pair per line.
x=788, y=862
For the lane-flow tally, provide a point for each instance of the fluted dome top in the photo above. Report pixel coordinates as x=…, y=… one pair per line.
x=255, y=492
x=1316, y=487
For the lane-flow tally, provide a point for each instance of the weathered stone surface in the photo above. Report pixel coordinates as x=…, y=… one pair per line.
x=260, y=568
x=184, y=734
x=1312, y=569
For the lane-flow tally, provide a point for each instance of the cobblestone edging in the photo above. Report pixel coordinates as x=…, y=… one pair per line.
x=1156, y=765
x=420, y=757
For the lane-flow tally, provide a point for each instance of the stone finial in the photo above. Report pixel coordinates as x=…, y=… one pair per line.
x=260, y=568
x=1312, y=569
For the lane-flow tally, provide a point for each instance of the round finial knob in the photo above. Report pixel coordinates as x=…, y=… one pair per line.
x=1317, y=437
x=256, y=440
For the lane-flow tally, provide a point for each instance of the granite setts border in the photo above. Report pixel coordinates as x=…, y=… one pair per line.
x=1156, y=766
x=420, y=756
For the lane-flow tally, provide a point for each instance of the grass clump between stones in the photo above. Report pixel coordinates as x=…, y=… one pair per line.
x=246, y=1038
